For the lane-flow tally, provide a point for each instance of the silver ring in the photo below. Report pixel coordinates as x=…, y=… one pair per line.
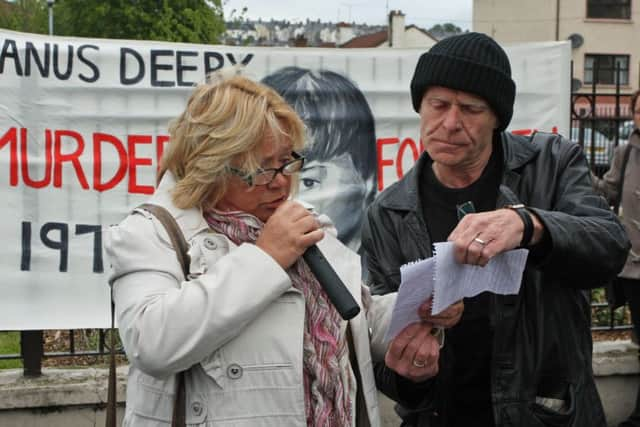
x=479, y=241
x=418, y=364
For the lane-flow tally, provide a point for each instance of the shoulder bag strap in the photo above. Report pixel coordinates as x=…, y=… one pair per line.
x=178, y=241
x=625, y=160
x=181, y=247
x=111, y=390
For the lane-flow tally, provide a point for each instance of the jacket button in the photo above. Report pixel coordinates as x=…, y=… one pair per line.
x=210, y=243
x=196, y=407
x=234, y=371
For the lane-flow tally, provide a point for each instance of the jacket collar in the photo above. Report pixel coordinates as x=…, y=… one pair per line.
x=517, y=151
x=191, y=221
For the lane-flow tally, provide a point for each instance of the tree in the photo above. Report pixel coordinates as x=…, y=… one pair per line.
x=441, y=31
x=29, y=16
x=189, y=21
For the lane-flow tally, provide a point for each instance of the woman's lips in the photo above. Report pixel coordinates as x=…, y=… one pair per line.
x=276, y=202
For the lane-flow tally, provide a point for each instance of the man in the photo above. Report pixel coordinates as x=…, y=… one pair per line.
x=621, y=186
x=339, y=177
x=516, y=360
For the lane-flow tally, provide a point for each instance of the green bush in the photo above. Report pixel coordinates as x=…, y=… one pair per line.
x=10, y=344
x=601, y=315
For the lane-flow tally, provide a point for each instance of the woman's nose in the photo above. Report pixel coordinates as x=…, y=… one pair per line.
x=279, y=180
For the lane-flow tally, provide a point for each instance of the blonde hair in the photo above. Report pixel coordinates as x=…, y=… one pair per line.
x=225, y=120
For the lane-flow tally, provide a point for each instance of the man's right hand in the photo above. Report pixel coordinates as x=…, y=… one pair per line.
x=447, y=318
x=288, y=233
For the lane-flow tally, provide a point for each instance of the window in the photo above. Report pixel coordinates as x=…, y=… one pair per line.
x=602, y=69
x=609, y=9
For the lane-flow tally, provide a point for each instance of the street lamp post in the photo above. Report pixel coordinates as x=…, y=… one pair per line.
x=50, y=5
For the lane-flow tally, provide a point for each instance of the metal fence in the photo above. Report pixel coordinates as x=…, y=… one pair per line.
x=32, y=348
x=600, y=122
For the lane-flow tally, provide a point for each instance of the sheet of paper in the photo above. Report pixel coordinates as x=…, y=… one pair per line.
x=448, y=282
x=416, y=285
x=454, y=281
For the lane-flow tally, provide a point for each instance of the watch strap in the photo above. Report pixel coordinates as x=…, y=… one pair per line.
x=525, y=216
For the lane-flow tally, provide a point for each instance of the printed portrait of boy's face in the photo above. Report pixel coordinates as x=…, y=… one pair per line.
x=336, y=188
x=339, y=176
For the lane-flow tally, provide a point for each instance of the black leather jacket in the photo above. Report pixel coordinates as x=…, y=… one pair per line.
x=542, y=340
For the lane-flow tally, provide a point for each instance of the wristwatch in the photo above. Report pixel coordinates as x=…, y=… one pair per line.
x=525, y=216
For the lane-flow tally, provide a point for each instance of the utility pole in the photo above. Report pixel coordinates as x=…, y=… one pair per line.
x=50, y=6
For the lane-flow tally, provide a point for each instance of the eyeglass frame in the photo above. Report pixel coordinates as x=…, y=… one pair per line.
x=281, y=170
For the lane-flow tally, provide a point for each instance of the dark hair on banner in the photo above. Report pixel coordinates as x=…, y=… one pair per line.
x=335, y=111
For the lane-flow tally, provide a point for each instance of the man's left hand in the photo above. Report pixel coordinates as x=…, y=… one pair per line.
x=414, y=353
x=478, y=237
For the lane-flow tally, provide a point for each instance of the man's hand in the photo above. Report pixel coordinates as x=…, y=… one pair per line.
x=447, y=318
x=479, y=237
x=414, y=353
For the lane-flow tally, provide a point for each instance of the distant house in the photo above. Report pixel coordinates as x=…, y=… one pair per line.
x=396, y=35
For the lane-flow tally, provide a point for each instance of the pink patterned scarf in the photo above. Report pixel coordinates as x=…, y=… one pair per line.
x=326, y=396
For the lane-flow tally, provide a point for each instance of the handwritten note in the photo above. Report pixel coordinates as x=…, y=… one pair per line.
x=448, y=281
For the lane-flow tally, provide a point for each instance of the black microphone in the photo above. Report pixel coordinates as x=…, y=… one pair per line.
x=337, y=292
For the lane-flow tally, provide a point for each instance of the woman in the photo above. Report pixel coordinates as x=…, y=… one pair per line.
x=627, y=158
x=259, y=340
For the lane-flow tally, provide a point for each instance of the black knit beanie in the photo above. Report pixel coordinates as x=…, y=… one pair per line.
x=470, y=62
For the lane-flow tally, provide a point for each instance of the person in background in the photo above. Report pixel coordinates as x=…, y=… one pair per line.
x=513, y=360
x=627, y=158
x=340, y=175
x=251, y=327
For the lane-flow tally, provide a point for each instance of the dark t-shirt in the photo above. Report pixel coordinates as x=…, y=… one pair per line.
x=471, y=338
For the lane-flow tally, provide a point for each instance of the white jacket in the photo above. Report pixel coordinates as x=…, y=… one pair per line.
x=236, y=325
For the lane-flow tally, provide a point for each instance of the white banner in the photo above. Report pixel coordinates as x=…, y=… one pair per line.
x=84, y=121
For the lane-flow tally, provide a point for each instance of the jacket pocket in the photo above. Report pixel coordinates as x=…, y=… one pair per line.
x=555, y=409
x=541, y=411
x=256, y=393
x=154, y=398
x=259, y=372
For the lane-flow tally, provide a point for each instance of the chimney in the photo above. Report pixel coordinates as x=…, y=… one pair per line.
x=396, y=29
x=345, y=33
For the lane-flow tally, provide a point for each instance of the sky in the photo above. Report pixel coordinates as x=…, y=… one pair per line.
x=422, y=13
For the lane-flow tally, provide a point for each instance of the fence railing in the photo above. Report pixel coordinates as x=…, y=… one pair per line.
x=32, y=347
x=600, y=122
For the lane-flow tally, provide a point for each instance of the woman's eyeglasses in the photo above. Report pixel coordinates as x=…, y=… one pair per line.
x=266, y=176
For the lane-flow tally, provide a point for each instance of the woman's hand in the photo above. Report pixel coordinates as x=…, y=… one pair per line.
x=288, y=233
x=414, y=353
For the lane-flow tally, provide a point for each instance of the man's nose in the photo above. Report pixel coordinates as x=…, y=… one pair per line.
x=453, y=119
